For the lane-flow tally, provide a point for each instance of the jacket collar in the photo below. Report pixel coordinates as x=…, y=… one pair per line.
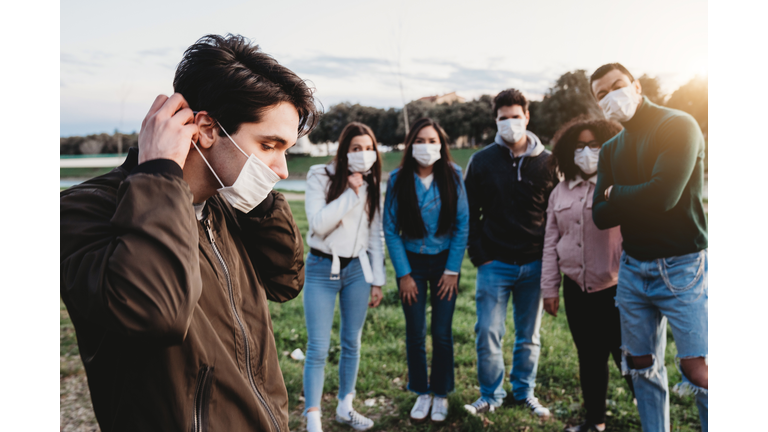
x=573, y=183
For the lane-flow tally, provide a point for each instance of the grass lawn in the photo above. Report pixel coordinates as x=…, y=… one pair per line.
x=383, y=372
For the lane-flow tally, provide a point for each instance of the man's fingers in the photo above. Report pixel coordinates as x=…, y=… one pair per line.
x=156, y=105
x=172, y=105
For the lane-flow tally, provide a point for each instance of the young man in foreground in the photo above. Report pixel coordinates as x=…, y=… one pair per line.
x=168, y=261
x=508, y=185
x=649, y=181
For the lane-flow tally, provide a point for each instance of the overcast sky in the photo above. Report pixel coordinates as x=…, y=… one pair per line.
x=116, y=57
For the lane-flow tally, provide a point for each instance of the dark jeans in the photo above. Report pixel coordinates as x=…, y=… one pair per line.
x=596, y=329
x=429, y=269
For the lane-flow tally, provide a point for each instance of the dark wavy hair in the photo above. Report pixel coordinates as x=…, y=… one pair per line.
x=236, y=82
x=604, y=69
x=564, y=142
x=409, y=220
x=509, y=97
x=338, y=182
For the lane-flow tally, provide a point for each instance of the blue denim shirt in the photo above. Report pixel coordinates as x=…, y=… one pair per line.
x=430, y=244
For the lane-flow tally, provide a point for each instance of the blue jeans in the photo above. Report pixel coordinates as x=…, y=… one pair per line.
x=649, y=294
x=428, y=269
x=319, y=303
x=496, y=281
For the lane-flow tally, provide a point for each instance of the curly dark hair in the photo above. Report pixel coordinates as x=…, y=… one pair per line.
x=564, y=142
x=236, y=82
x=509, y=97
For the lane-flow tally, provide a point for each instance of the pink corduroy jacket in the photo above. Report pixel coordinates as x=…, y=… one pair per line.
x=574, y=245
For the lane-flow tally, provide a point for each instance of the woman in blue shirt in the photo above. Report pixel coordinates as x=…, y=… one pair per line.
x=426, y=224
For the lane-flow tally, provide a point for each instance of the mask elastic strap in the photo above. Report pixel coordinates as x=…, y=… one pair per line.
x=233, y=141
x=209, y=165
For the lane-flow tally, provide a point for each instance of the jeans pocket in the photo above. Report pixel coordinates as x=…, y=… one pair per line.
x=682, y=273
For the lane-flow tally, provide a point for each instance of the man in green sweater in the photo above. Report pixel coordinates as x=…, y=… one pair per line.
x=649, y=181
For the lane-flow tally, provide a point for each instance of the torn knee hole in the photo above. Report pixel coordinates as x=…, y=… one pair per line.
x=640, y=362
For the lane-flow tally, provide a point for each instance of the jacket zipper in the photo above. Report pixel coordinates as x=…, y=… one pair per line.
x=198, y=410
x=239, y=323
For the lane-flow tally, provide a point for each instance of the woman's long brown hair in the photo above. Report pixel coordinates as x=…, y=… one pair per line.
x=339, y=178
x=409, y=219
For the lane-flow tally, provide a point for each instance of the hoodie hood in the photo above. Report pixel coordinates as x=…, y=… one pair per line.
x=535, y=148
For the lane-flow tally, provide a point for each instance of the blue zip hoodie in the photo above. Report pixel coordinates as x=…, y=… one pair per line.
x=429, y=203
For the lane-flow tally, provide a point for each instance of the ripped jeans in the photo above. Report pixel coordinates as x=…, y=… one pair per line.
x=650, y=293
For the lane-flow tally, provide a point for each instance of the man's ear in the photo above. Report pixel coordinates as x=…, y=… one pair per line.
x=638, y=87
x=527, y=117
x=207, y=127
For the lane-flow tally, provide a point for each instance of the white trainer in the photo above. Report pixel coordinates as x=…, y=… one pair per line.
x=479, y=406
x=439, y=409
x=355, y=419
x=420, y=409
x=537, y=408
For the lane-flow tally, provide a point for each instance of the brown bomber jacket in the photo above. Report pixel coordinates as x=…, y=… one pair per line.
x=174, y=330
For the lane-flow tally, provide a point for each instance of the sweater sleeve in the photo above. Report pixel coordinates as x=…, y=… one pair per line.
x=604, y=214
x=474, y=203
x=376, y=250
x=550, y=270
x=325, y=217
x=679, y=146
x=460, y=229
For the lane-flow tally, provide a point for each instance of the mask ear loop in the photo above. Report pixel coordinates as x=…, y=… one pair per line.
x=233, y=141
x=209, y=165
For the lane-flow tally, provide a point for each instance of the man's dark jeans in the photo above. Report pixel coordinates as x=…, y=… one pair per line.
x=428, y=269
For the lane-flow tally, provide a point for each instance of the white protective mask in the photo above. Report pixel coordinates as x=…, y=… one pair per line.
x=512, y=130
x=361, y=161
x=253, y=184
x=587, y=160
x=620, y=105
x=426, y=154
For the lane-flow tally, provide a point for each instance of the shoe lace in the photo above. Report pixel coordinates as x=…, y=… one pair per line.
x=422, y=403
x=357, y=418
x=440, y=406
x=533, y=403
x=479, y=404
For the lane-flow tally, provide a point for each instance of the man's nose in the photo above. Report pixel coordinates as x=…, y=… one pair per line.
x=280, y=167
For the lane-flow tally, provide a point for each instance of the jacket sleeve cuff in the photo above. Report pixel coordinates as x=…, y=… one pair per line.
x=159, y=166
x=550, y=293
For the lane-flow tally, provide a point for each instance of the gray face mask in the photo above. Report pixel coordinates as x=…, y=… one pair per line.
x=253, y=184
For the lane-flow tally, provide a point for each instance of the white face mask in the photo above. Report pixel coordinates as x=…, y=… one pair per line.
x=620, y=105
x=361, y=161
x=512, y=130
x=586, y=159
x=426, y=154
x=253, y=184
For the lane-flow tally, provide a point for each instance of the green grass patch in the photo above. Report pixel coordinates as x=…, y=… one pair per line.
x=83, y=172
x=383, y=372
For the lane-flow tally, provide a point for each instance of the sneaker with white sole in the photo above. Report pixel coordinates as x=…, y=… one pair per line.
x=439, y=409
x=533, y=404
x=420, y=409
x=356, y=420
x=479, y=406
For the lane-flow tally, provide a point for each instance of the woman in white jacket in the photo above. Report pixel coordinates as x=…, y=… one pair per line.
x=346, y=258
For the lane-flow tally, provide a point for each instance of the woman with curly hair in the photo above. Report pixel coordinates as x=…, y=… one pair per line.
x=588, y=259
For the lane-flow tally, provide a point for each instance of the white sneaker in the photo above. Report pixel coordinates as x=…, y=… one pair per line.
x=420, y=409
x=355, y=419
x=439, y=409
x=533, y=404
x=479, y=406
x=313, y=422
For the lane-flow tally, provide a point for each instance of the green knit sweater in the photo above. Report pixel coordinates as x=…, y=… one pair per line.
x=656, y=167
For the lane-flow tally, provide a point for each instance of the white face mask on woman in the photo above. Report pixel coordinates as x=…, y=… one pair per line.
x=253, y=184
x=620, y=105
x=426, y=154
x=512, y=129
x=361, y=161
x=586, y=159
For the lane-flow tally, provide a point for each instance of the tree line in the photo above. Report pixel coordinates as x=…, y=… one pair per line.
x=472, y=122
